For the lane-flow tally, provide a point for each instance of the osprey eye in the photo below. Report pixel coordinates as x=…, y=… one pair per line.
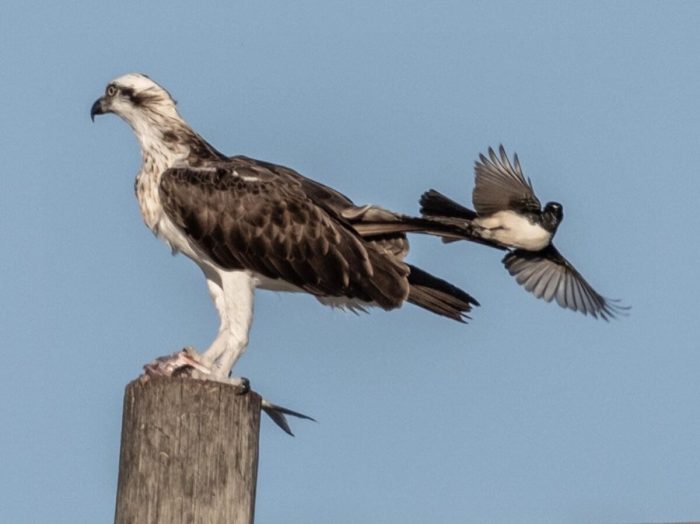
x=111, y=90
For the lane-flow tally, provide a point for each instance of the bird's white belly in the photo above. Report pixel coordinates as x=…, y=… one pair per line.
x=511, y=229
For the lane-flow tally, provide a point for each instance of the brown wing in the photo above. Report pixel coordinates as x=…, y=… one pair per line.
x=244, y=215
x=382, y=228
x=322, y=195
x=500, y=185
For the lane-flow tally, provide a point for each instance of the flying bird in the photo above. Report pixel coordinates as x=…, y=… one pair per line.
x=251, y=224
x=509, y=216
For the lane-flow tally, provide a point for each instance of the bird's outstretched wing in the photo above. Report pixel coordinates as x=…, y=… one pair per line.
x=548, y=275
x=243, y=215
x=500, y=185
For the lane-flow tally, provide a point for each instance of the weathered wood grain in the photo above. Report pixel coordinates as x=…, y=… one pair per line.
x=189, y=453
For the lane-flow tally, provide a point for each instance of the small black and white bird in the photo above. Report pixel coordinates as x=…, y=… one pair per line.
x=509, y=215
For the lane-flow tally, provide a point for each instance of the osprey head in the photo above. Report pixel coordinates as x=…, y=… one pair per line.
x=133, y=97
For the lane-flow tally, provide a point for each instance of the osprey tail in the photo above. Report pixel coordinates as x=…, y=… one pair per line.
x=438, y=296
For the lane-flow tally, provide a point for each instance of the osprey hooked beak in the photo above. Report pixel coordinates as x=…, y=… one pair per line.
x=98, y=108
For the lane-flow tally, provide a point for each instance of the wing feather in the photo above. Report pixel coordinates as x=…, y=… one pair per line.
x=242, y=214
x=500, y=185
x=548, y=275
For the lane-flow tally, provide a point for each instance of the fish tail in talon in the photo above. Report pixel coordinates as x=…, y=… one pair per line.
x=277, y=414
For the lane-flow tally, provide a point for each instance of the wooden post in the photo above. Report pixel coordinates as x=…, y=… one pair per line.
x=189, y=453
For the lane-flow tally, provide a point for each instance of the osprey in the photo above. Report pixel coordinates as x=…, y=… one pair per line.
x=509, y=216
x=250, y=224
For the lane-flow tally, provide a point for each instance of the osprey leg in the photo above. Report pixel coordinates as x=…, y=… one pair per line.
x=217, y=347
x=233, y=293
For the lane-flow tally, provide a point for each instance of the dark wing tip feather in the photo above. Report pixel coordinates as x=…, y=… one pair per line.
x=612, y=309
x=504, y=156
x=439, y=296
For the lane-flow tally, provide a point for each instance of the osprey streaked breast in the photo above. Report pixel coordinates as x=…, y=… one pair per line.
x=250, y=224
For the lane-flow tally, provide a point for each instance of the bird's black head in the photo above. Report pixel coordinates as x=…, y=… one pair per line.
x=552, y=216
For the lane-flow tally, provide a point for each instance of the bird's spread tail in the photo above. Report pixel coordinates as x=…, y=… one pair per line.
x=436, y=207
x=439, y=296
x=434, y=203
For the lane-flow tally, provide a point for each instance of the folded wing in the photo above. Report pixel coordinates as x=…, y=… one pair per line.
x=244, y=215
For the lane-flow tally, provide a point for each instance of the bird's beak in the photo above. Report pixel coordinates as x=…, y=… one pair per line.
x=98, y=108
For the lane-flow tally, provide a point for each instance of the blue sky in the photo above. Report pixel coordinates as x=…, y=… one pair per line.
x=529, y=413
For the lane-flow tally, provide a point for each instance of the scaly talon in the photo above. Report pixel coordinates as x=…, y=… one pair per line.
x=244, y=385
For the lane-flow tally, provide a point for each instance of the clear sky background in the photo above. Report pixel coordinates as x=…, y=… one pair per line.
x=530, y=413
